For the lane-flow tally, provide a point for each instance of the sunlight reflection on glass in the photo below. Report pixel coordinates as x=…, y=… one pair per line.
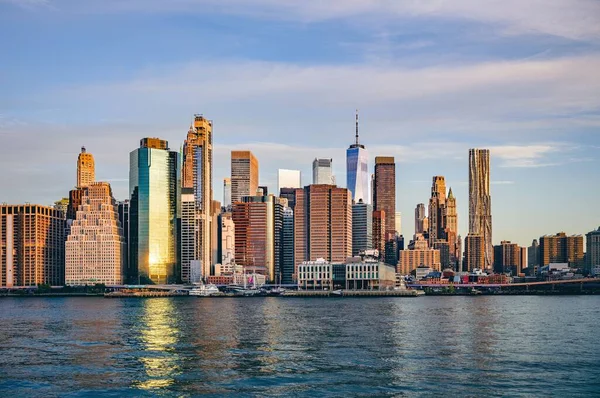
x=159, y=337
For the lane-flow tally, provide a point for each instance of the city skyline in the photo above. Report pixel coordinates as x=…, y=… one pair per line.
x=523, y=87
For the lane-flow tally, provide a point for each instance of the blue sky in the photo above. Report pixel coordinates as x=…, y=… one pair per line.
x=283, y=78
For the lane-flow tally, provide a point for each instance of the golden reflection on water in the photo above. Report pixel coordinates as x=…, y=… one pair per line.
x=159, y=336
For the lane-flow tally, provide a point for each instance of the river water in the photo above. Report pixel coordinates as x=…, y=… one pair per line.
x=465, y=346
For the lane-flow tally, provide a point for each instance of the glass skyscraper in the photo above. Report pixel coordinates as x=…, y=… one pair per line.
x=357, y=170
x=153, y=177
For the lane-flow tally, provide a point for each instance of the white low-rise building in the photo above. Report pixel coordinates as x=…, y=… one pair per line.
x=315, y=274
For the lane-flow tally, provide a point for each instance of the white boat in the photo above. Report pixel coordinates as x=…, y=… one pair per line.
x=204, y=290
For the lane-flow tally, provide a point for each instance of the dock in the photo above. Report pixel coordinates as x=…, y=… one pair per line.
x=354, y=293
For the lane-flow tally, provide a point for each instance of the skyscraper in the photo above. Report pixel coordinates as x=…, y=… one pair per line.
x=226, y=192
x=258, y=222
x=153, y=186
x=437, y=210
x=420, y=216
x=357, y=170
x=322, y=172
x=509, y=258
x=474, y=252
x=86, y=169
x=362, y=227
x=533, y=254
x=288, y=179
x=287, y=247
x=561, y=248
x=480, y=201
x=384, y=191
x=123, y=212
x=197, y=175
x=398, y=220
x=379, y=227
x=452, y=230
x=244, y=175
x=95, y=248
x=322, y=224
x=32, y=245
x=593, y=251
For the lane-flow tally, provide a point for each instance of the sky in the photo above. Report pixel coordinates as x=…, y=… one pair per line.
x=283, y=78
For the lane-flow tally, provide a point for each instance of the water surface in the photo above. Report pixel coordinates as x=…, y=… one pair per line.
x=469, y=346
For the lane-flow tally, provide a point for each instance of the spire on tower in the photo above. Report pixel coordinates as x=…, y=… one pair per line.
x=357, y=127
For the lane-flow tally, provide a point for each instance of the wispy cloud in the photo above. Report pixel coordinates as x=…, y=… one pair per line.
x=574, y=19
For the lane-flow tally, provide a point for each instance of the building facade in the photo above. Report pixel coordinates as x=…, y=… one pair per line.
x=287, y=247
x=474, y=252
x=593, y=251
x=244, y=175
x=362, y=227
x=226, y=192
x=86, y=169
x=32, y=245
x=95, y=247
x=258, y=223
x=323, y=172
x=288, y=179
x=420, y=216
x=154, y=189
x=533, y=254
x=123, y=212
x=384, y=191
x=561, y=248
x=411, y=259
x=379, y=236
x=509, y=258
x=357, y=170
x=315, y=274
x=322, y=224
x=480, y=201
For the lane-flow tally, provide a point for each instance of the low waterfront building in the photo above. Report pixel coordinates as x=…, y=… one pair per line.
x=370, y=275
x=315, y=274
x=422, y=271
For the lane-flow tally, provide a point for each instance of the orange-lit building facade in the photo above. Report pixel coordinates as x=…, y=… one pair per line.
x=379, y=227
x=32, y=245
x=384, y=191
x=244, y=175
x=322, y=224
x=411, y=259
x=86, y=169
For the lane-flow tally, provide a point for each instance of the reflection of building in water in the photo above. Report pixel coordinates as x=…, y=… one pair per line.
x=158, y=336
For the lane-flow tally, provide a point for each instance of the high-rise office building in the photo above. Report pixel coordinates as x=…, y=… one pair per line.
x=398, y=220
x=32, y=245
x=62, y=205
x=322, y=224
x=86, y=169
x=357, y=170
x=561, y=248
x=480, y=201
x=362, y=227
x=191, y=269
x=227, y=240
x=592, y=239
x=384, y=191
x=323, y=172
x=474, y=252
x=226, y=192
x=533, y=254
x=509, y=258
x=258, y=222
x=420, y=217
x=196, y=174
x=153, y=186
x=288, y=179
x=437, y=210
x=379, y=235
x=287, y=248
x=244, y=175
x=95, y=247
x=451, y=221
x=123, y=213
